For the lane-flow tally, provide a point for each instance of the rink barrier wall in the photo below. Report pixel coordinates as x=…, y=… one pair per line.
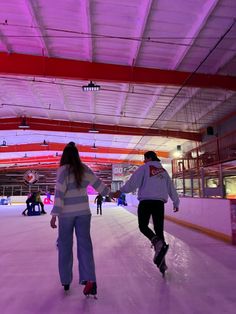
x=22, y=199
x=209, y=216
x=212, y=233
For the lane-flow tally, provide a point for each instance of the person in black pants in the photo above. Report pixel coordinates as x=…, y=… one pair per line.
x=154, y=209
x=99, y=200
x=154, y=186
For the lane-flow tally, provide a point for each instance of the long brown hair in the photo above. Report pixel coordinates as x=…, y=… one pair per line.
x=70, y=156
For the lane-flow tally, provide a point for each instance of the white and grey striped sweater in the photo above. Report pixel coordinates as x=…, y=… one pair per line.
x=71, y=200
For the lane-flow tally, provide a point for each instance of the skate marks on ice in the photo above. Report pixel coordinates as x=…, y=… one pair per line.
x=201, y=272
x=203, y=282
x=195, y=282
x=128, y=280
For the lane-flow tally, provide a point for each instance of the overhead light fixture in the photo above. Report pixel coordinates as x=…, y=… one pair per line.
x=44, y=143
x=93, y=130
x=178, y=152
x=23, y=124
x=94, y=146
x=91, y=87
x=4, y=144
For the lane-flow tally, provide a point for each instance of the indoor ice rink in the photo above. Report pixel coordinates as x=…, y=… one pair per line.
x=201, y=275
x=118, y=79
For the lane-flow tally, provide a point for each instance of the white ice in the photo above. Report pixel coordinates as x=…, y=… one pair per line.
x=201, y=278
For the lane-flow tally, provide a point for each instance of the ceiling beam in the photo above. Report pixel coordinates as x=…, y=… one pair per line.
x=142, y=18
x=79, y=127
x=52, y=162
x=21, y=64
x=38, y=27
x=58, y=147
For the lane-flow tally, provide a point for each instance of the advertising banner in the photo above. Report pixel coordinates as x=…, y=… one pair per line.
x=122, y=172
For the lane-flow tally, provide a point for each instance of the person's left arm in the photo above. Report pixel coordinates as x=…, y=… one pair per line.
x=97, y=183
x=173, y=193
x=53, y=222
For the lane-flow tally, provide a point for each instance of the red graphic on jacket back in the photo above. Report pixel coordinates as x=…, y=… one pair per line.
x=153, y=171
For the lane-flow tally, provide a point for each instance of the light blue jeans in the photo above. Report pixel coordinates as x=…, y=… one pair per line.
x=81, y=225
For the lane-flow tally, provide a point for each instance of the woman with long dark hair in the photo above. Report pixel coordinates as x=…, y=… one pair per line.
x=71, y=207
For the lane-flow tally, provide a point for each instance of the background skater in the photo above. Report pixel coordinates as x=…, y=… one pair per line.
x=99, y=200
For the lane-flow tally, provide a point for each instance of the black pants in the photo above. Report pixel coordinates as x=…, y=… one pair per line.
x=28, y=207
x=154, y=209
x=42, y=207
x=99, y=208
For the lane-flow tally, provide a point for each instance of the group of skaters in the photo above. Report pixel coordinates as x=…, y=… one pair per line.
x=72, y=213
x=34, y=199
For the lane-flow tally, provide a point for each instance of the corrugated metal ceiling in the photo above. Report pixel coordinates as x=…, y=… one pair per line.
x=196, y=36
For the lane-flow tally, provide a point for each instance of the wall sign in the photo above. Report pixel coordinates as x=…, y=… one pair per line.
x=31, y=177
x=122, y=172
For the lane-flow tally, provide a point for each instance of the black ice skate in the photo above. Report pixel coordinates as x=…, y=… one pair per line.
x=161, y=249
x=163, y=267
x=66, y=287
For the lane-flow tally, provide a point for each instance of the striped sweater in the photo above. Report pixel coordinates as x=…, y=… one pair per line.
x=71, y=200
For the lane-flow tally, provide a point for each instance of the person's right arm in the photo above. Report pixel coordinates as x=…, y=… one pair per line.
x=134, y=182
x=173, y=194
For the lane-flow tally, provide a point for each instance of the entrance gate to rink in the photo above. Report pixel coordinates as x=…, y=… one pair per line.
x=23, y=190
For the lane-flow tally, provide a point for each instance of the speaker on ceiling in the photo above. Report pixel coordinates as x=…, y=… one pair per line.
x=210, y=130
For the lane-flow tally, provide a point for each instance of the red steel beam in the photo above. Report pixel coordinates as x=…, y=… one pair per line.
x=60, y=146
x=80, y=127
x=21, y=64
x=53, y=162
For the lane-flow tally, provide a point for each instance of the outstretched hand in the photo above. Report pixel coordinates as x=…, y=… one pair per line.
x=53, y=222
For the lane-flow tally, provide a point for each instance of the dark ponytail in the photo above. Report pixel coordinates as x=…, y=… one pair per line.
x=70, y=156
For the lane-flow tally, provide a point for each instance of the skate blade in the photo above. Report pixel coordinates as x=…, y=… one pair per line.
x=91, y=295
x=158, y=260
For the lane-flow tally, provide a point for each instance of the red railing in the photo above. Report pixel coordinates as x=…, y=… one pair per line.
x=216, y=151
